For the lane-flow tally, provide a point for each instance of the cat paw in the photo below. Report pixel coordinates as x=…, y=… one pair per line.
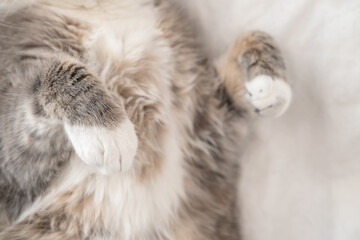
x=269, y=96
x=109, y=150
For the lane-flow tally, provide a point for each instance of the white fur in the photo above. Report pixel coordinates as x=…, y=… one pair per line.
x=131, y=208
x=138, y=208
x=126, y=205
x=109, y=150
x=270, y=96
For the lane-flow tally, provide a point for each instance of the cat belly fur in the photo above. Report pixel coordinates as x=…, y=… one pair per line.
x=129, y=206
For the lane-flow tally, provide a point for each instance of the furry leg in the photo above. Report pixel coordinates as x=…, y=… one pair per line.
x=253, y=67
x=95, y=121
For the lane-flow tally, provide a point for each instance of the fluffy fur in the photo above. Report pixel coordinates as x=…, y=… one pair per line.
x=78, y=78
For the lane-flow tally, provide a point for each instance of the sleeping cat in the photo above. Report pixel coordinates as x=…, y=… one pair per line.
x=115, y=125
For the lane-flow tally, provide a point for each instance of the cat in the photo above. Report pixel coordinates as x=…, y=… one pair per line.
x=116, y=125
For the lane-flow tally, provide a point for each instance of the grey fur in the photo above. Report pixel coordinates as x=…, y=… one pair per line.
x=45, y=81
x=43, y=86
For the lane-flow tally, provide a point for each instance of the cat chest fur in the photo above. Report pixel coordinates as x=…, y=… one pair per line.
x=125, y=49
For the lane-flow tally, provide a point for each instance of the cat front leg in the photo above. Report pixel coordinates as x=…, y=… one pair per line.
x=253, y=67
x=95, y=121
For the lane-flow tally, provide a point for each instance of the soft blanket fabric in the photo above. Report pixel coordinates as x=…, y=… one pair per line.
x=301, y=172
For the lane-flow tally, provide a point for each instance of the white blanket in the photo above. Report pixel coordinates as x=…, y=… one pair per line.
x=301, y=173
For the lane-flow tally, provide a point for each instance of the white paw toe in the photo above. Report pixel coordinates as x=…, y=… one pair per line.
x=108, y=150
x=270, y=97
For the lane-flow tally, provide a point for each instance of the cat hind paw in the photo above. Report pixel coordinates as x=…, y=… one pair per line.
x=269, y=96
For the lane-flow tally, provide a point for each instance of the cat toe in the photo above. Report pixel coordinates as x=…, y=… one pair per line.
x=109, y=150
x=269, y=96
